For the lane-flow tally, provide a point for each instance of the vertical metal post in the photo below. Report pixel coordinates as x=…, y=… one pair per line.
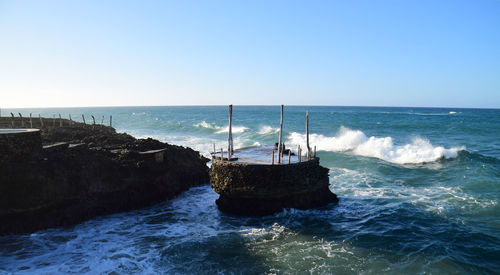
x=307, y=136
x=281, y=135
x=22, y=121
x=289, y=155
x=230, y=133
x=110, y=121
x=70, y=120
x=13, y=126
x=314, y=151
x=60, y=121
x=272, y=159
x=83, y=117
x=31, y=121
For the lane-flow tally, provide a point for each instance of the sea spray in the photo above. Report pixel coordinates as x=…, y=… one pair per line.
x=266, y=129
x=207, y=125
x=220, y=129
x=420, y=150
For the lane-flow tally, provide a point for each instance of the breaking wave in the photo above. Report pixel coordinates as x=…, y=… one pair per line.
x=207, y=125
x=236, y=129
x=220, y=130
x=420, y=150
x=264, y=130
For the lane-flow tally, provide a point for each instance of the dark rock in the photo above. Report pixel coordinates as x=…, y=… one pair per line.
x=20, y=144
x=94, y=172
x=257, y=190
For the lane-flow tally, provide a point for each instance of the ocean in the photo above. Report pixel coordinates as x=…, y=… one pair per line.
x=419, y=192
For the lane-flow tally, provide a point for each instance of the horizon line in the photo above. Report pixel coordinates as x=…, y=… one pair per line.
x=248, y=105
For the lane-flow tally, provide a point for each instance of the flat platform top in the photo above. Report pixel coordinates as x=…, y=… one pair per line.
x=17, y=131
x=261, y=155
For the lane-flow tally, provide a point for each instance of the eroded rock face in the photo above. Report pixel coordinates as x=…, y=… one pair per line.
x=257, y=190
x=96, y=172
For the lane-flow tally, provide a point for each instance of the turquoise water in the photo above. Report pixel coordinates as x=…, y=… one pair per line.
x=418, y=187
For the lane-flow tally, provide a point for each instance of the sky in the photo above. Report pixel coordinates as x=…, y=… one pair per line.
x=339, y=53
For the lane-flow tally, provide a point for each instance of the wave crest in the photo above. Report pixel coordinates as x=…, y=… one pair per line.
x=235, y=130
x=220, y=130
x=207, y=125
x=264, y=130
x=418, y=151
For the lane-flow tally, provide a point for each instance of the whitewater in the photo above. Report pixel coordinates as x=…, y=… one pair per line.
x=418, y=191
x=420, y=150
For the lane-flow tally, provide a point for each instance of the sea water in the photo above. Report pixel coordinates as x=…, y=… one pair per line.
x=419, y=192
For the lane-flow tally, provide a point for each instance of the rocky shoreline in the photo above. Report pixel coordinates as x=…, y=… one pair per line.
x=83, y=171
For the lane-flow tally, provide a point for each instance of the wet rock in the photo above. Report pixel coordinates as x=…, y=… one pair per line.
x=257, y=190
x=95, y=171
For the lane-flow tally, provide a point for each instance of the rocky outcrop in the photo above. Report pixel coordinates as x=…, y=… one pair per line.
x=257, y=189
x=94, y=171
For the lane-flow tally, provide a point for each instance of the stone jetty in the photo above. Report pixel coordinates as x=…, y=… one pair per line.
x=69, y=172
x=254, y=188
x=258, y=181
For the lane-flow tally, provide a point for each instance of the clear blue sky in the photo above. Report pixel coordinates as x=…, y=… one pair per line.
x=371, y=53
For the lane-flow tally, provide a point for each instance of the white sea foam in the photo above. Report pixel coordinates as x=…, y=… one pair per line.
x=236, y=130
x=207, y=125
x=264, y=130
x=220, y=130
x=418, y=151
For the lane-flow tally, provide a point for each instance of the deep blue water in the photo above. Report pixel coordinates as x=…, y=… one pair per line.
x=418, y=187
